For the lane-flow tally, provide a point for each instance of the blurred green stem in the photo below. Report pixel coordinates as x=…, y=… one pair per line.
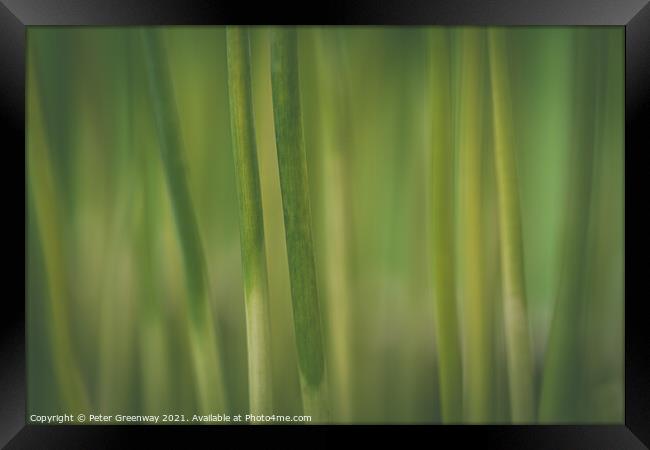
x=605, y=265
x=442, y=161
x=154, y=354
x=203, y=341
x=334, y=120
x=251, y=221
x=562, y=381
x=43, y=193
x=478, y=363
x=518, y=351
x=116, y=349
x=292, y=164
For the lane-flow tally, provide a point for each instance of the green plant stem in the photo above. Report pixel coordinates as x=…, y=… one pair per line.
x=251, y=221
x=74, y=394
x=334, y=120
x=154, y=359
x=518, y=344
x=203, y=342
x=605, y=265
x=562, y=379
x=442, y=228
x=292, y=164
x=44, y=196
x=478, y=314
x=115, y=349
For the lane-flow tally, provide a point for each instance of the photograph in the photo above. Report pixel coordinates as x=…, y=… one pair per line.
x=325, y=225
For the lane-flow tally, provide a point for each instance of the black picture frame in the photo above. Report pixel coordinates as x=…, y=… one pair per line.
x=17, y=15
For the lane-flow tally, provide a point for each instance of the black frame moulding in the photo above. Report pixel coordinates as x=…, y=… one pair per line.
x=17, y=15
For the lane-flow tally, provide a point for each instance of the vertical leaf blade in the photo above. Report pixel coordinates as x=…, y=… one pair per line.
x=294, y=185
x=251, y=220
x=520, y=370
x=446, y=314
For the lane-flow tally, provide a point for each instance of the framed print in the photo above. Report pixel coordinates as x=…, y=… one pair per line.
x=376, y=217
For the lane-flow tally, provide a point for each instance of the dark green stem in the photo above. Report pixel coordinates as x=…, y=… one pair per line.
x=294, y=184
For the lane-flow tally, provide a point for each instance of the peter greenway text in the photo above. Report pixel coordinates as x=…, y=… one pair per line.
x=165, y=418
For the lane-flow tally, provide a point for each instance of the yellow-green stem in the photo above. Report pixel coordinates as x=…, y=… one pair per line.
x=478, y=362
x=442, y=228
x=334, y=117
x=518, y=344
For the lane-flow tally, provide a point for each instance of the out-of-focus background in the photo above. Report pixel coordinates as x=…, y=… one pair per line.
x=103, y=255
